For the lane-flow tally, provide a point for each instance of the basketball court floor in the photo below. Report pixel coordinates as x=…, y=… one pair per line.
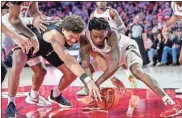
x=148, y=106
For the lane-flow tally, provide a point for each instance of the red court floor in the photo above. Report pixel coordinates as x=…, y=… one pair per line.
x=149, y=105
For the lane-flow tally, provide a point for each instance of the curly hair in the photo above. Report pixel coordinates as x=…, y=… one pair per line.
x=73, y=23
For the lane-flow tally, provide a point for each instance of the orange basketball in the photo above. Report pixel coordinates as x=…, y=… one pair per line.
x=109, y=99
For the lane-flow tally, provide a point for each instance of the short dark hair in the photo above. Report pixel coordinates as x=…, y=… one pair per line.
x=73, y=23
x=98, y=24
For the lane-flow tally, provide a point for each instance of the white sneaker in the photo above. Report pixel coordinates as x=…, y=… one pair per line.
x=40, y=101
x=132, y=104
x=178, y=90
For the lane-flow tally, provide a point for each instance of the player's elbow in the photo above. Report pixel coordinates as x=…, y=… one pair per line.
x=13, y=20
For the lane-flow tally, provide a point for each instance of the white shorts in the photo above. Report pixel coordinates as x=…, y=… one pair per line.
x=131, y=55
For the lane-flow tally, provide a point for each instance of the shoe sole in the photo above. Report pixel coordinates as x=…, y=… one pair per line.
x=10, y=115
x=62, y=106
x=178, y=113
x=29, y=102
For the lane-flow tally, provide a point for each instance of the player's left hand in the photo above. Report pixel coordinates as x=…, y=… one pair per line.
x=40, y=22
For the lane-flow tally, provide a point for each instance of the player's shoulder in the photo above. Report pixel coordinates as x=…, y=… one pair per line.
x=113, y=34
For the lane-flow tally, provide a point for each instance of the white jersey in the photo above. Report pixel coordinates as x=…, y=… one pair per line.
x=124, y=42
x=107, y=17
x=24, y=8
x=177, y=10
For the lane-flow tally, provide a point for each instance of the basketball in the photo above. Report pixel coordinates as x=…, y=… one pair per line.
x=109, y=99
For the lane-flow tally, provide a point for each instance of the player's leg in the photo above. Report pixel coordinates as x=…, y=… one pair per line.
x=19, y=61
x=67, y=78
x=56, y=94
x=39, y=69
x=134, y=62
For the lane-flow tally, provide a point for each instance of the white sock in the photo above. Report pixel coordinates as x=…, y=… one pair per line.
x=34, y=94
x=127, y=72
x=167, y=100
x=11, y=99
x=56, y=92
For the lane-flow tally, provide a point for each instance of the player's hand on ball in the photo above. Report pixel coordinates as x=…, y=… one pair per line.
x=93, y=90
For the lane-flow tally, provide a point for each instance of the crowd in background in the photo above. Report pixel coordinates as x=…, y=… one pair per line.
x=153, y=15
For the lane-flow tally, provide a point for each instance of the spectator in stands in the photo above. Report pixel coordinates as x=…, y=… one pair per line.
x=171, y=47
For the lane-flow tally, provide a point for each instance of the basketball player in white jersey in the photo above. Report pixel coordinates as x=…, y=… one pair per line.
x=121, y=50
x=16, y=15
x=177, y=10
x=115, y=22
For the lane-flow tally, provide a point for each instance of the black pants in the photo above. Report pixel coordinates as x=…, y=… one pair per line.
x=142, y=49
x=3, y=71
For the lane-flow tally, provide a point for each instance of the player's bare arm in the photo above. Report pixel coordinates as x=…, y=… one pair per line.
x=171, y=21
x=115, y=58
x=39, y=20
x=118, y=20
x=17, y=23
x=57, y=41
x=85, y=54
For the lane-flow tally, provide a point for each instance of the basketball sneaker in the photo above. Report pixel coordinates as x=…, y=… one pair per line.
x=119, y=85
x=10, y=110
x=82, y=92
x=132, y=104
x=171, y=111
x=39, y=100
x=60, y=100
x=132, y=81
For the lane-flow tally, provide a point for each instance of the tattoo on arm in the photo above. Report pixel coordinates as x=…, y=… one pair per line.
x=85, y=55
x=115, y=59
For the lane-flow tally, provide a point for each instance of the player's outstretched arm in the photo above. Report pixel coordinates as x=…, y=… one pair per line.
x=115, y=58
x=72, y=63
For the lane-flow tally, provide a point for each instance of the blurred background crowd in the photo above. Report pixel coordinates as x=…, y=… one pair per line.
x=152, y=16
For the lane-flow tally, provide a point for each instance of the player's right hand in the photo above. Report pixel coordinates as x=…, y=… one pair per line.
x=93, y=90
x=35, y=43
x=23, y=42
